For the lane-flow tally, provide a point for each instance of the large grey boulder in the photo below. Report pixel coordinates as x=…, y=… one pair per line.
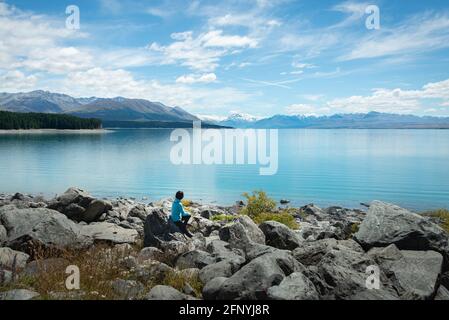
x=27, y=228
x=387, y=224
x=167, y=293
x=78, y=205
x=159, y=228
x=222, y=250
x=224, y=268
x=338, y=270
x=294, y=287
x=109, y=232
x=253, y=280
x=12, y=260
x=345, y=273
x=18, y=294
x=212, y=288
x=194, y=259
x=280, y=236
x=415, y=272
x=242, y=234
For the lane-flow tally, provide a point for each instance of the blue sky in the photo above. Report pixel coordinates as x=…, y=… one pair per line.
x=214, y=58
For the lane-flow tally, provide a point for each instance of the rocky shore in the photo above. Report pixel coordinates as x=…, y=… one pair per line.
x=137, y=253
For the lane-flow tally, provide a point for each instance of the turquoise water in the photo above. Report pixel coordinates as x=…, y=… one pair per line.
x=326, y=167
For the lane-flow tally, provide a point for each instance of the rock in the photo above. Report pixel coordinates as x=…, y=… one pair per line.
x=139, y=211
x=280, y=236
x=284, y=201
x=150, y=253
x=442, y=294
x=128, y=289
x=195, y=259
x=18, y=196
x=202, y=225
x=187, y=289
x=6, y=277
x=444, y=279
x=242, y=234
x=387, y=224
x=223, y=268
x=95, y=209
x=110, y=233
x=158, y=229
x=253, y=280
x=173, y=249
x=78, y=205
x=12, y=260
x=152, y=270
x=3, y=235
x=166, y=293
x=254, y=233
x=314, y=211
x=311, y=253
x=212, y=288
x=27, y=228
x=37, y=267
x=344, y=271
x=415, y=272
x=221, y=250
x=294, y=287
x=18, y=294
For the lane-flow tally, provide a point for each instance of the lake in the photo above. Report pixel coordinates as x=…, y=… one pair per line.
x=326, y=167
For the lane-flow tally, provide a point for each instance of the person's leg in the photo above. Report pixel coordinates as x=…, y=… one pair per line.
x=183, y=228
x=185, y=221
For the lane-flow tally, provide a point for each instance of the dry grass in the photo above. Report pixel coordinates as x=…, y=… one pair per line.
x=178, y=280
x=98, y=266
x=442, y=215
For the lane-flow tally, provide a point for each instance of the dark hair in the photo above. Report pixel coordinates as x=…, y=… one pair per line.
x=179, y=195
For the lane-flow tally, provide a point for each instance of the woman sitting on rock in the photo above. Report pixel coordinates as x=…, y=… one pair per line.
x=178, y=215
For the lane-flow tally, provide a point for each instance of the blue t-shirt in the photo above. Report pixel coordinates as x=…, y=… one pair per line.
x=177, y=211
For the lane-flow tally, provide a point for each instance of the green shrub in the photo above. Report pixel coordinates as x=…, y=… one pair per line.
x=261, y=208
x=257, y=203
x=283, y=217
x=442, y=214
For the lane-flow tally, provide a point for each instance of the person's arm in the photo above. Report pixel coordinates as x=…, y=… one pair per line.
x=182, y=212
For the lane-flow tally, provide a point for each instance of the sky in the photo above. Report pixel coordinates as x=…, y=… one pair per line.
x=214, y=58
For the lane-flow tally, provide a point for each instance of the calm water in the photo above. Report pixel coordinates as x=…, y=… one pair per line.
x=326, y=167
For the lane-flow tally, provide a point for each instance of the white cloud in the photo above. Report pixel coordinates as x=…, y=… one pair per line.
x=195, y=78
x=393, y=100
x=418, y=34
x=203, y=52
x=12, y=81
x=32, y=42
x=112, y=83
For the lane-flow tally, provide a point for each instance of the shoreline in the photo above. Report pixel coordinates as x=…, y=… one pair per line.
x=55, y=131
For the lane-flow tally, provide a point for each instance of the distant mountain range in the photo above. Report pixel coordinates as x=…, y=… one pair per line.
x=371, y=120
x=125, y=112
x=115, y=109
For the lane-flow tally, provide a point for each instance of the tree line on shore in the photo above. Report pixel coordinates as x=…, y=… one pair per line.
x=15, y=121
